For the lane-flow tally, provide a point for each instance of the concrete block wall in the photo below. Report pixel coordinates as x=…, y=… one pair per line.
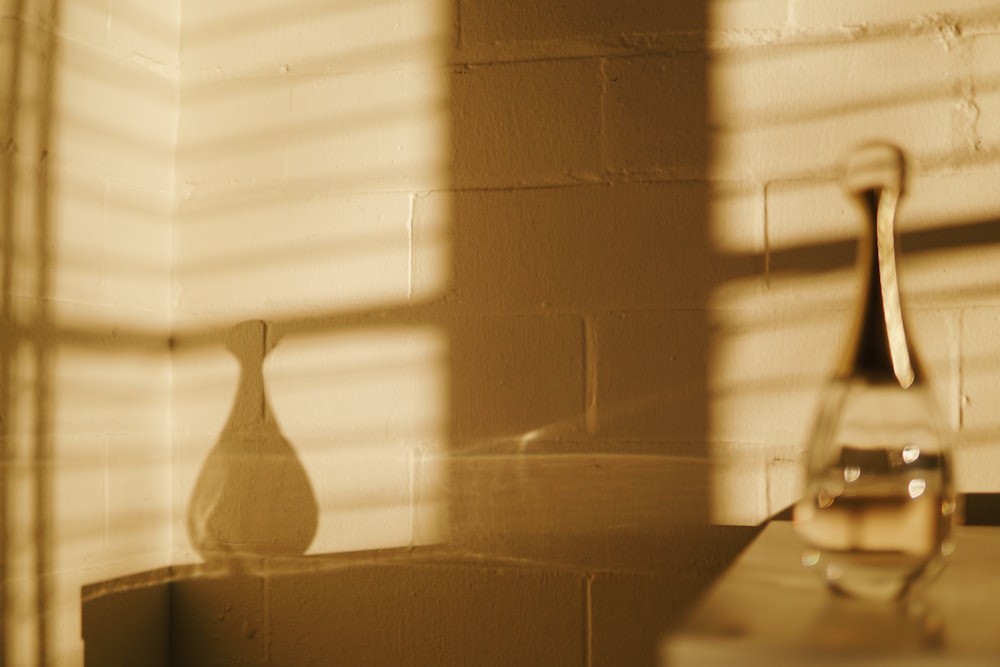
x=795, y=86
x=554, y=281
x=89, y=117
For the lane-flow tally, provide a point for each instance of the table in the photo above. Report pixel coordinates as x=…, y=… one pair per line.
x=768, y=609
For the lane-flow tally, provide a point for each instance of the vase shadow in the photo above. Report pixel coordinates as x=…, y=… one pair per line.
x=252, y=497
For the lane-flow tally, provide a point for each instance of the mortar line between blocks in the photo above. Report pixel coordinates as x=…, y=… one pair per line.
x=414, y=456
x=107, y=492
x=791, y=14
x=766, y=237
x=266, y=618
x=960, y=370
x=588, y=605
x=590, y=375
x=409, y=246
x=602, y=72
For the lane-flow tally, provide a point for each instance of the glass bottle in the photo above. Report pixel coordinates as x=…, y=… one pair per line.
x=878, y=506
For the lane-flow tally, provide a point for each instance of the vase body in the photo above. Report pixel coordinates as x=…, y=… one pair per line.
x=879, y=503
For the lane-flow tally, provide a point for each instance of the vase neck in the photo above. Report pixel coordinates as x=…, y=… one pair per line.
x=248, y=344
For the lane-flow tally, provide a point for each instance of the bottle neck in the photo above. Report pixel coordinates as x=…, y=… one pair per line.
x=881, y=353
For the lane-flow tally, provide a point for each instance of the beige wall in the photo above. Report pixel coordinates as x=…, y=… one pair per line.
x=556, y=281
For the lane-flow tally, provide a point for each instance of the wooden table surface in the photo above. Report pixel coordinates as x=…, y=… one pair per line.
x=768, y=609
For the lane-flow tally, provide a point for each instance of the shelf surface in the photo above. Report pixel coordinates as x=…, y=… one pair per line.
x=768, y=609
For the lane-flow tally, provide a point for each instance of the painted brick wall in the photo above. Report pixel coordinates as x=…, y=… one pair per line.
x=794, y=88
x=527, y=269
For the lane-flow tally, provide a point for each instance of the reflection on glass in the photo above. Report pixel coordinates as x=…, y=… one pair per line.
x=877, y=510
